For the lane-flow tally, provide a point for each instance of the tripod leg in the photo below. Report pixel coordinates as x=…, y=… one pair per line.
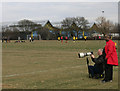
x=87, y=61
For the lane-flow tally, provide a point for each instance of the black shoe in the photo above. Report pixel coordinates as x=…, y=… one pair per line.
x=79, y=55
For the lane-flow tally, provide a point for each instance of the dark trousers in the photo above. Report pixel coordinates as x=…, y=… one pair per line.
x=108, y=72
x=94, y=70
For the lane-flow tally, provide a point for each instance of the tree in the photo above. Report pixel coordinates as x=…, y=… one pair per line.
x=66, y=25
x=45, y=34
x=75, y=27
x=81, y=22
x=10, y=32
x=27, y=25
x=6, y=32
x=104, y=25
x=76, y=23
x=115, y=28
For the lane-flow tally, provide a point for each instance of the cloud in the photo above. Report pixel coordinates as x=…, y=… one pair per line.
x=55, y=11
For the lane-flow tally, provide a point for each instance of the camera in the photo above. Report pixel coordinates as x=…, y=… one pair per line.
x=81, y=55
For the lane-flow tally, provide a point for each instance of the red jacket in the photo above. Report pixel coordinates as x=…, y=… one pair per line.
x=111, y=53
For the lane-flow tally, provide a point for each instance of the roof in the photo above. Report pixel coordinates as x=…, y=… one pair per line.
x=94, y=27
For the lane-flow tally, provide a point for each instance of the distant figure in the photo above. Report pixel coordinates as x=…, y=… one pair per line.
x=30, y=39
x=66, y=39
x=115, y=45
x=2, y=40
x=99, y=37
x=111, y=37
x=73, y=38
x=95, y=37
x=85, y=38
x=8, y=41
x=62, y=39
x=5, y=39
x=23, y=41
x=58, y=38
x=76, y=38
x=18, y=39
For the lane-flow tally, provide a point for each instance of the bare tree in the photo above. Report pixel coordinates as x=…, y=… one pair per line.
x=76, y=23
x=10, y=32
x=104, y=25
x=27, y=25
x=81, y=22
x=115, y=28
x=66, y=23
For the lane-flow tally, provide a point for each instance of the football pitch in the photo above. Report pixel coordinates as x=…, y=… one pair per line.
x=49, y=64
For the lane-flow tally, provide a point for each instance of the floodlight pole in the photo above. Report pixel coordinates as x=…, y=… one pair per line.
x=102, y=15
x=102, y=20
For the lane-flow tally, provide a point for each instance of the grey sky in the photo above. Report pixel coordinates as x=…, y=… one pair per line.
x=57, y=11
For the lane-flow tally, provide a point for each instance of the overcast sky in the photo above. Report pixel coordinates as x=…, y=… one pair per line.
x=57, y=11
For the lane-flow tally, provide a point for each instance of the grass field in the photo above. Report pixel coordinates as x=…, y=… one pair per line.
x=50, y=65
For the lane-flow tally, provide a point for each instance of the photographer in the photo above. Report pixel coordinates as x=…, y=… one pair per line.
x=97, y=70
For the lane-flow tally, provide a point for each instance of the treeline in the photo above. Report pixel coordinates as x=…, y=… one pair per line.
x=24, y=28
x=71, y=26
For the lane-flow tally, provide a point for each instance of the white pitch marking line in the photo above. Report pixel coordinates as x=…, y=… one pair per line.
x=12, y=75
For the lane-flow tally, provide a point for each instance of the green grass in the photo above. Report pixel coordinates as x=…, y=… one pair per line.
x=50, y=65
